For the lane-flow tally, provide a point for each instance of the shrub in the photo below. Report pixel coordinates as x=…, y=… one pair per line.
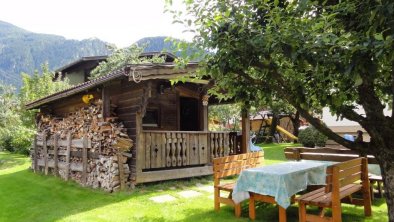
x=311, y=137
x=16, y=139
x=306, y=137
x=22, y=139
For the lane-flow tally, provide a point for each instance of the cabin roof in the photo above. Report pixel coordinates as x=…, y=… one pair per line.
x=145, y=71
x=169, y=57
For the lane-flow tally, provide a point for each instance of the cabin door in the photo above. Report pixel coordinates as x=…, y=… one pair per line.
x=189, y=114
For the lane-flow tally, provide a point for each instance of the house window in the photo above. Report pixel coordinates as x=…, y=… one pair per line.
x=151, y=118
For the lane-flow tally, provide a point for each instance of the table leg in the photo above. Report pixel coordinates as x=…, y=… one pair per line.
x=252, y=209
x=282, y=214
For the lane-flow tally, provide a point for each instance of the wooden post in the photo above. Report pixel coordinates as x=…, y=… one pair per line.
x=205, y=118
x=84, y=159
x=226, y=144
x=297, y=154
x=173, y=149
x=366, y=189
x=140, y=143
x=245, y=131
x=45, y=148
x=168, y=149
x=68, y=151
x=185, y=153
x=179, y=150
x=35, y=154
x=55, y=154
x=163, y=149
x=121, y=172
x=147, y=146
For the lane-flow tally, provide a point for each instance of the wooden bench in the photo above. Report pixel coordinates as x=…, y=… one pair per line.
x=342, y=181
x=323, y=154
x=331, y=154
x=229, y=166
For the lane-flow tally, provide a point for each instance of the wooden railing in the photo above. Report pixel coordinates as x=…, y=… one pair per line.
x=173, y=149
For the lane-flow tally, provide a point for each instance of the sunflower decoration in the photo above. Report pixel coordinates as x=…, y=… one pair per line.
x=87, y=98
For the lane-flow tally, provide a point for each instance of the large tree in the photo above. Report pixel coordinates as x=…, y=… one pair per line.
x=332, y=53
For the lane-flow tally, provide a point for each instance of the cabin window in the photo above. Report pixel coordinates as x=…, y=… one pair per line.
x=151, y=118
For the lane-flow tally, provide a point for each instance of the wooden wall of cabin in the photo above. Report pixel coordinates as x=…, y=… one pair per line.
x=71, y=104
x=165, y=103
x=132, y=100
x=126, y=99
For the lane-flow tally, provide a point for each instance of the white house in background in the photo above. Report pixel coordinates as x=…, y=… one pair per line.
x=346, y=126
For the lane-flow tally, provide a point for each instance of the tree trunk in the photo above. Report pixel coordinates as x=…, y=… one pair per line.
x=296, y=123
x=382, y=146
x=387, y=167
x=274, y=123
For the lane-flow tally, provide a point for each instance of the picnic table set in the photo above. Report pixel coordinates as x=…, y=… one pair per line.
x=281, y=180
x=279, y=183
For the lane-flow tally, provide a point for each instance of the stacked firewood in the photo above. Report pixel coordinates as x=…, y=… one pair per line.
x=105, y=174
x=108, y=141
x=107, y=135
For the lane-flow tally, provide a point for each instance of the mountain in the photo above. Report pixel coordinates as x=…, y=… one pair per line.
x=25, y=51
x=156, y=44
x=159, y=43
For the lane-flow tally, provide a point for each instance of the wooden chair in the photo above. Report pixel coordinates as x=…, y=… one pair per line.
x=229, y=166
x=341, y=182
x=376, y=179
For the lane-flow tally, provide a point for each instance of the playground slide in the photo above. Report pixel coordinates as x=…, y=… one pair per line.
x=282, y=130
x=287, y=133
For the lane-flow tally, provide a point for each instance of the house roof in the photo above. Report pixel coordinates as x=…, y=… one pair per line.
x=80, y=61
x=136, y=72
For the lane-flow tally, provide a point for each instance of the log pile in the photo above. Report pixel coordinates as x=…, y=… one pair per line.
x=90, y=148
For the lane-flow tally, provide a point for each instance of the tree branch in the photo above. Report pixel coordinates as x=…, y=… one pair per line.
x=369, y=100
x=350, y=114
x=282, y=89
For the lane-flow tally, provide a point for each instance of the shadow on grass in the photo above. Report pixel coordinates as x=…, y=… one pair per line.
x=25, y=196
x=8, y=160
x=269, y=212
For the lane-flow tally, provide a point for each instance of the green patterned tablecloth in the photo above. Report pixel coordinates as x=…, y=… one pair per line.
x=281, y=180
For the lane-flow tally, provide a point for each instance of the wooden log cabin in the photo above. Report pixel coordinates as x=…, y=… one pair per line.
x=168, y=123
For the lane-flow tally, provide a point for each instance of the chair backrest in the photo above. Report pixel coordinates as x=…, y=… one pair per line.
x=323, y=154
x=233, y=165
x=344, y=173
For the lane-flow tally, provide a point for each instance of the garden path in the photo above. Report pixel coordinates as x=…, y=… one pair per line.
x=200, y=190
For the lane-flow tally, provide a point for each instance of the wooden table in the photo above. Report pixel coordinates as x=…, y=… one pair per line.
x=281, y=181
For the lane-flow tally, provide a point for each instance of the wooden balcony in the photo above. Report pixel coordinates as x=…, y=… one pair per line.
x=175, y=149
x=179, y=154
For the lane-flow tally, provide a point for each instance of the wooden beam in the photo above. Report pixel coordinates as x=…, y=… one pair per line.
x=45, y=148
x=140, y=141
x=245, y=131
x=84, y=160
x=68, y=155
x=205, y=118
x=160, y=175
x=55, y=153
x=121, y=172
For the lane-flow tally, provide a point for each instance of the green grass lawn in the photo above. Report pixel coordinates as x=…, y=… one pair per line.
x=25, y=196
